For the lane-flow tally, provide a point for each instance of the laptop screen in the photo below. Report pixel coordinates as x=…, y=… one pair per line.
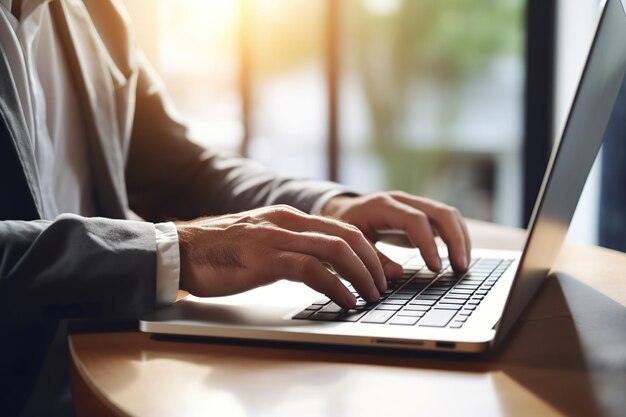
x=572, y=158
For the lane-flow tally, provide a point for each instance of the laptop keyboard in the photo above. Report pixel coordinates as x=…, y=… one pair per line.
x=421, y=297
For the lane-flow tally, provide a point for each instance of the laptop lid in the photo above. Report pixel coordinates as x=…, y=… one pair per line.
x=572, y=158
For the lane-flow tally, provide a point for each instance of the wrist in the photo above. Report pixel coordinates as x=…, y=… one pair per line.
x=334, y=205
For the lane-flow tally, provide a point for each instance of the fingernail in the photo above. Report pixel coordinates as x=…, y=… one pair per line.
x=375, y=294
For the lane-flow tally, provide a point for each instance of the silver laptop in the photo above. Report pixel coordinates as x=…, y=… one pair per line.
x=469, y=312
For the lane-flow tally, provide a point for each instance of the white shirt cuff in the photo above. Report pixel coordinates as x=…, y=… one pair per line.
x=316, y=210
x=167, y=263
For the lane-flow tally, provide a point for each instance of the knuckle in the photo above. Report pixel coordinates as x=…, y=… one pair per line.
x=353, y=233
x=282, y=212
x=399, y=194
x=245, y=219
x=283, y=208
x=447, y=210
x=356, y=235
x=420, y=217
x=337, y=244
x=381, y=198
x=265, y=230
x=307, y=264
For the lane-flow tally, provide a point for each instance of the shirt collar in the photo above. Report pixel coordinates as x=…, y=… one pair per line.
x=29, y=6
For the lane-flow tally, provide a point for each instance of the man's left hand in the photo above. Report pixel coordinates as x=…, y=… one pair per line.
x=420, y=218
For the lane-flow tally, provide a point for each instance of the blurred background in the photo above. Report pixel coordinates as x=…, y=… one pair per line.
x=455, y=100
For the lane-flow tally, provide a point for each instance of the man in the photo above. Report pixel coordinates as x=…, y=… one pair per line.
x=86, y=135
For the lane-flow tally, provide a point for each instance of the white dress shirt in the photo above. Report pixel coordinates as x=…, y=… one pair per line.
x=50, y=106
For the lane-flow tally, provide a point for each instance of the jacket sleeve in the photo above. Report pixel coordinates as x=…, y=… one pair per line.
x=167, y=174
x=75, y=267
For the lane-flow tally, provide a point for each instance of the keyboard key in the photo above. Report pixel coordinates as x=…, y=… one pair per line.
x=303, y=315
x=324, y=316
x=451, y=301
x=457, y=297
x=456, y=325
x=378, y=316
x=448, y=306
x=404, y=320
x=419, y=302
x=322, y=301
x=427, y=297
x=389, y=307
x=466, y=287
x=400, y=296
x=437, y=318
x=332, y=308
x=460, y=291
x=471, y=280
x=351, y=315
x=417, y=308
x=447, y=279
x=411, y=313
x=430, y=291
x=394, y=301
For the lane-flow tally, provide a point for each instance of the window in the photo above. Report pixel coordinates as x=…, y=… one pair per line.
x=431, y=101
x=193, y=45
x=430, y=92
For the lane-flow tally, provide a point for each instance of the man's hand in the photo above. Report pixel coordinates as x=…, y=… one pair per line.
x=229, y=254
x=422, y=219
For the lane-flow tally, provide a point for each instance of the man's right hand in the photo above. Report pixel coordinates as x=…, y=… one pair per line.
x=233, y=253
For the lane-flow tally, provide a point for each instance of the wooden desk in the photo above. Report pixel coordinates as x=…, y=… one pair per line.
x=567, y=356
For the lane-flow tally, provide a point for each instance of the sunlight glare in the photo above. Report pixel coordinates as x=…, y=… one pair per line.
x=382, y=7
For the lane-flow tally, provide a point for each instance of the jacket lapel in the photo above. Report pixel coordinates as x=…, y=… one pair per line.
x=96, y=95
x=15, y=126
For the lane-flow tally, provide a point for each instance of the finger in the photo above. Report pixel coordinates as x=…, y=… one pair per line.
x=468, y=241
x=310, y=271
x=453, y=235
x=364, y=249
x=446, y=220
x=392, y=269
x=336, y=252
x=416, y=224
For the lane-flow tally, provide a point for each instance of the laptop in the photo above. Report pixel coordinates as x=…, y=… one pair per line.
x=446, y=311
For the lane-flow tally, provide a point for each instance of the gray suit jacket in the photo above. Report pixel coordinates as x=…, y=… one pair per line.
x=142, y=160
